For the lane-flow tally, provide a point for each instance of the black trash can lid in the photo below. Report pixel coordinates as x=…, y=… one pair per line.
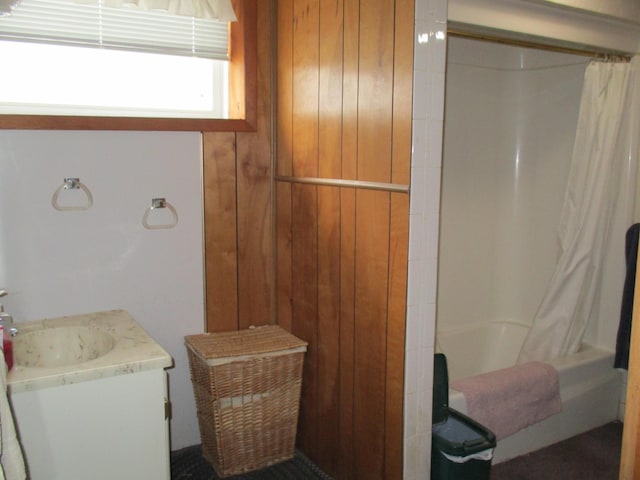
x=440, y=389
x=460, y=436
x=454, y=433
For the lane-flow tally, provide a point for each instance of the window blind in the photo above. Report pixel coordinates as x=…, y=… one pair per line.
x=96, y=25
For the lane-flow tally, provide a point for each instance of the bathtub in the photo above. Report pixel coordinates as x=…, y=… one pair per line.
x=589, y=385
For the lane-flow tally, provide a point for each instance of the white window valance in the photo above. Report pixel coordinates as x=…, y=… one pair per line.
x=211, y=9
x=174, y=27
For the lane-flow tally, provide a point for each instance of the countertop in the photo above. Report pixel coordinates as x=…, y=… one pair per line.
x=133, y=351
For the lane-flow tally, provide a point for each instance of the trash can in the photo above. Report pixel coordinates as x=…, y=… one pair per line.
x=461, y=448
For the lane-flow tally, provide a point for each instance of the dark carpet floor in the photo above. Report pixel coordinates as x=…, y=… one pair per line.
x=594, y=455
x=189, y=464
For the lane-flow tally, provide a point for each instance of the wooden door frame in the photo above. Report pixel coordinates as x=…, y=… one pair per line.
x=630, y=454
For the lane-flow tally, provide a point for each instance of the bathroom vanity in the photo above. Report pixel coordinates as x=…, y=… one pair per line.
x=89, y=396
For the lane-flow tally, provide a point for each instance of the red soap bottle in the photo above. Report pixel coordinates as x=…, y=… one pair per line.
x=7, y=348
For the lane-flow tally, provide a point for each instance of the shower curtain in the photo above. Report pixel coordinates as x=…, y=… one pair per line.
x=608, y=114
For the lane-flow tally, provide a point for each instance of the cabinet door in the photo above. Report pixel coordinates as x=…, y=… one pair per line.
x=101, y=429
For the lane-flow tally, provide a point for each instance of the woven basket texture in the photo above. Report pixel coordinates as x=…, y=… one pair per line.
x=248, y=403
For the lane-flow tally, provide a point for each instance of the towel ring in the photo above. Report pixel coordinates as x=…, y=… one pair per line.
x=159, y=203
x=72, y=184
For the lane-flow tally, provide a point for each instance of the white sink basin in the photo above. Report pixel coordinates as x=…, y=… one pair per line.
x=59, y=351
x=60, y=346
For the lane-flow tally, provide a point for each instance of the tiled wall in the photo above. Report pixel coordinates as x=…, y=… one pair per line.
x=428, y=111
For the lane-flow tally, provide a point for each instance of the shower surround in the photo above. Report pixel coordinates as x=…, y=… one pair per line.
x=510, y=122
x=511, y=116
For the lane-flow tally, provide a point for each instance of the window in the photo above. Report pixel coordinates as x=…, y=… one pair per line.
x=56, y=64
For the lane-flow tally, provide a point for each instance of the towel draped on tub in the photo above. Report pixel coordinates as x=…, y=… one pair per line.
x=508, y=400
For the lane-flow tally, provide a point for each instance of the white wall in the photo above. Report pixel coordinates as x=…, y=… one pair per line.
x=57, y=263
x=510, y=124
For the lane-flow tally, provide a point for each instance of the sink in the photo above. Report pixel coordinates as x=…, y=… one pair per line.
x=60, y=346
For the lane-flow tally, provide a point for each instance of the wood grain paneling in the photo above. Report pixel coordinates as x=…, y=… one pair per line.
x=343, y=102
x=304, y=268
x=255, y=255
x=371, y=283
x=402, y=93
x=347, y=332
x=284, y=166
x=344, y=112
x=630, y=454
x=329, y=166
x=398, y=265
x=305, y=103
x=328, y=336
x=349, y=165
x=375, y=91
x=219, y=152
x=238, y=202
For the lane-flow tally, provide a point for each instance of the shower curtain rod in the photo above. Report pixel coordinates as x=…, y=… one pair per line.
x=610, y=56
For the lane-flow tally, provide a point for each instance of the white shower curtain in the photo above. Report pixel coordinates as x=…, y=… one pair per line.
x=608, y=108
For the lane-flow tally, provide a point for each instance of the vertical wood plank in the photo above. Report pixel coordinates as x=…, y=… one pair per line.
x=398, y=264
x=284, y=289
x=305, y=306
x=329, y=165
x=305, y=87
x=219, y=176
x=375, y=91
x=284, y=97
x=351, y=36
x=350, y=85
x=254, y=194
x=330, y=89
x=305, y=54
x=347, y=331
x=399, y=237
x=372, y=266
x=284, y=163
x=402, y=92
x=328, y=327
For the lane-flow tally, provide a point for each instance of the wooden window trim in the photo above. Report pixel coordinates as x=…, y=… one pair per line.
x=242, y=93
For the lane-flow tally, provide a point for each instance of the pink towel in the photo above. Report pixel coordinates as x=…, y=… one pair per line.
x=508, y=400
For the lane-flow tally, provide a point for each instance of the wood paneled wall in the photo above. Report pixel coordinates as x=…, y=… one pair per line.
x=343, y=93
x=344, y=112
x=238, y=204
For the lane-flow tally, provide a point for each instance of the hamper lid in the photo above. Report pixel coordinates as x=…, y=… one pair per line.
x=225, y=346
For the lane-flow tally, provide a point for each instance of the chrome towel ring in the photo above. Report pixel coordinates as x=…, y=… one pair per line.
x=155, y=204
x=72, y=184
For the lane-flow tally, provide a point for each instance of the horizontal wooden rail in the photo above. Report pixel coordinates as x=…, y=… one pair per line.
x=336, y=182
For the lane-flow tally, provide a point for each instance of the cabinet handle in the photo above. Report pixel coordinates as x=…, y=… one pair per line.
x=167, y=409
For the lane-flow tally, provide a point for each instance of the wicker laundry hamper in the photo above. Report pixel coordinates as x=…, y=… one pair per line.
x=247, y=390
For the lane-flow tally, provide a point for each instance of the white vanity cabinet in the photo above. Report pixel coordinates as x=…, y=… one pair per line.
x=103, y=419
x=112, y=428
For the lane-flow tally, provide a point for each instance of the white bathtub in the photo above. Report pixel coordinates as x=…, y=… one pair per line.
x=589, y=385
